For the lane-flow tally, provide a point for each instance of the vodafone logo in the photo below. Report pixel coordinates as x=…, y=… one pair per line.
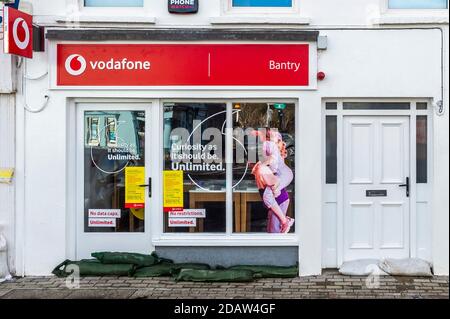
x=20, y=26
x=75, y=64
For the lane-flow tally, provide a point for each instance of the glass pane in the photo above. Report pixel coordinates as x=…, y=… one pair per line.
x=114, y=167
x=331, y=149
x=262, y=3
x=331, y=105
x=417, y=4
x=194, y=167
x=421, y=149
x=113, y=3
x=264, y=167
x=422, y=106
x=376, y=106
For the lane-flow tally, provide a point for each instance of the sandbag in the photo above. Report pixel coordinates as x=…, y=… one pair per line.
x=158, y=270
x=406, y=267
x=223, y=275
x=4, y=272
x=167, y=269
x=93, y=267
x=269, y=271
x=140, y=260
x=361, y=267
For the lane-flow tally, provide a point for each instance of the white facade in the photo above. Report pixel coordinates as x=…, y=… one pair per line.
x=373, y=54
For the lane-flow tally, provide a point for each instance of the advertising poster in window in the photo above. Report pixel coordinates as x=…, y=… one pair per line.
x=114, y=170
x=263, y=165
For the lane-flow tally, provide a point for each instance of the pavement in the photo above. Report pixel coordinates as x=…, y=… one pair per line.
x=328, y=285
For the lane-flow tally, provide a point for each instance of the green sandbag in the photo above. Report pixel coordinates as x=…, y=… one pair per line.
x=224, y=275
x=92, y=267
x=140, y=260
x=176, y=268
x=158, y=270
x=167, y=269
x=269, y=271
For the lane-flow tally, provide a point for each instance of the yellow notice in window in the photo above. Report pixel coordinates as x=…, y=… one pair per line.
x=6, y=175
x=173, y=190
x=134, y=194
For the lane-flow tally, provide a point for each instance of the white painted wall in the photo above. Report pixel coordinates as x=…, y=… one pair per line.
x=7, y=160
x=358, y=63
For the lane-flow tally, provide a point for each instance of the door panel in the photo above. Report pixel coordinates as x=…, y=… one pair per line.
x=376, y=209
x=112, y=157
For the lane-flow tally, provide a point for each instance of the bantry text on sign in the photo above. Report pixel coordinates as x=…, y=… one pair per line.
x=183, y=65
x=183, y=6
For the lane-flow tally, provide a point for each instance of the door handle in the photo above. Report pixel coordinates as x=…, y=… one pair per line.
x=149, y=185
x=406, y=185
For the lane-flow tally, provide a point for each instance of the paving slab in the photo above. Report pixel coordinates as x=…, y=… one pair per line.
x=36, y=294
x=100, y=294
x=329, y=285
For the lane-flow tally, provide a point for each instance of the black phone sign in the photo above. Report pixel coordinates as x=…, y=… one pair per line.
x=183, y=6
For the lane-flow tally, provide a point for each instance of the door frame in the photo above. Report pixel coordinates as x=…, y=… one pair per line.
x=340, y=113
x=81, y=105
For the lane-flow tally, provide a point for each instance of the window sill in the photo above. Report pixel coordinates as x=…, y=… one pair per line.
x=410, y=19
x=211, y=240
x=93, y=19
x=285, y=20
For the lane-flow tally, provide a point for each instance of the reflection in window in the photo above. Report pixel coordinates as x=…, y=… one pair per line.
x=114, y=151
x=331, y=149
x=194, y=145
x=418, y=4
x=263, y=167
x=113, y=3
x=262, y=3
x=421, y=149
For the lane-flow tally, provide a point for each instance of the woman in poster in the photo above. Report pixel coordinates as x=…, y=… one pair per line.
x=272, y=177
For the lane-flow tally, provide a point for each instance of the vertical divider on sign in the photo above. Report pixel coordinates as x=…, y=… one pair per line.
x=229, y=167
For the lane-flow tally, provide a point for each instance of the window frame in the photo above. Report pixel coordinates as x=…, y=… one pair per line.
x=416, y=9
x=122, y=7
x=229, y=9
x=385, y=10
x=228, y=238
x=113, y=14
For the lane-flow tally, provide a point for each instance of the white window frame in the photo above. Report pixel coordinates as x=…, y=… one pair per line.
x=140, y=15
x=228, y=238
x=410, y=12
x=228, y=9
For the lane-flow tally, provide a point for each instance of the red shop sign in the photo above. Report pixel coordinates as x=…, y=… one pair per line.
x=18, y=32
x=183, y=64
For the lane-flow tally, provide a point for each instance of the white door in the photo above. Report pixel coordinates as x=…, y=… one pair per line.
x=376, y=201
x=113, y=171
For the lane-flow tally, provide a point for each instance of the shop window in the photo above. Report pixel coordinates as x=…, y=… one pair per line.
x=259, y=178
x=113, y=3
x=114, y=161
x=418, y=4
x=262, y=3
x=331, y=149
x=421, y=149
x=264, y=167
x=194, y=167
x=376, y=106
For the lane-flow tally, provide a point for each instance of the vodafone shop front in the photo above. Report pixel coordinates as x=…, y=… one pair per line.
x=225, y=146
x=182, y=146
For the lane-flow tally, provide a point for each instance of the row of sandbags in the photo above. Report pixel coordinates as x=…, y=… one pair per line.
x=141, y=265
